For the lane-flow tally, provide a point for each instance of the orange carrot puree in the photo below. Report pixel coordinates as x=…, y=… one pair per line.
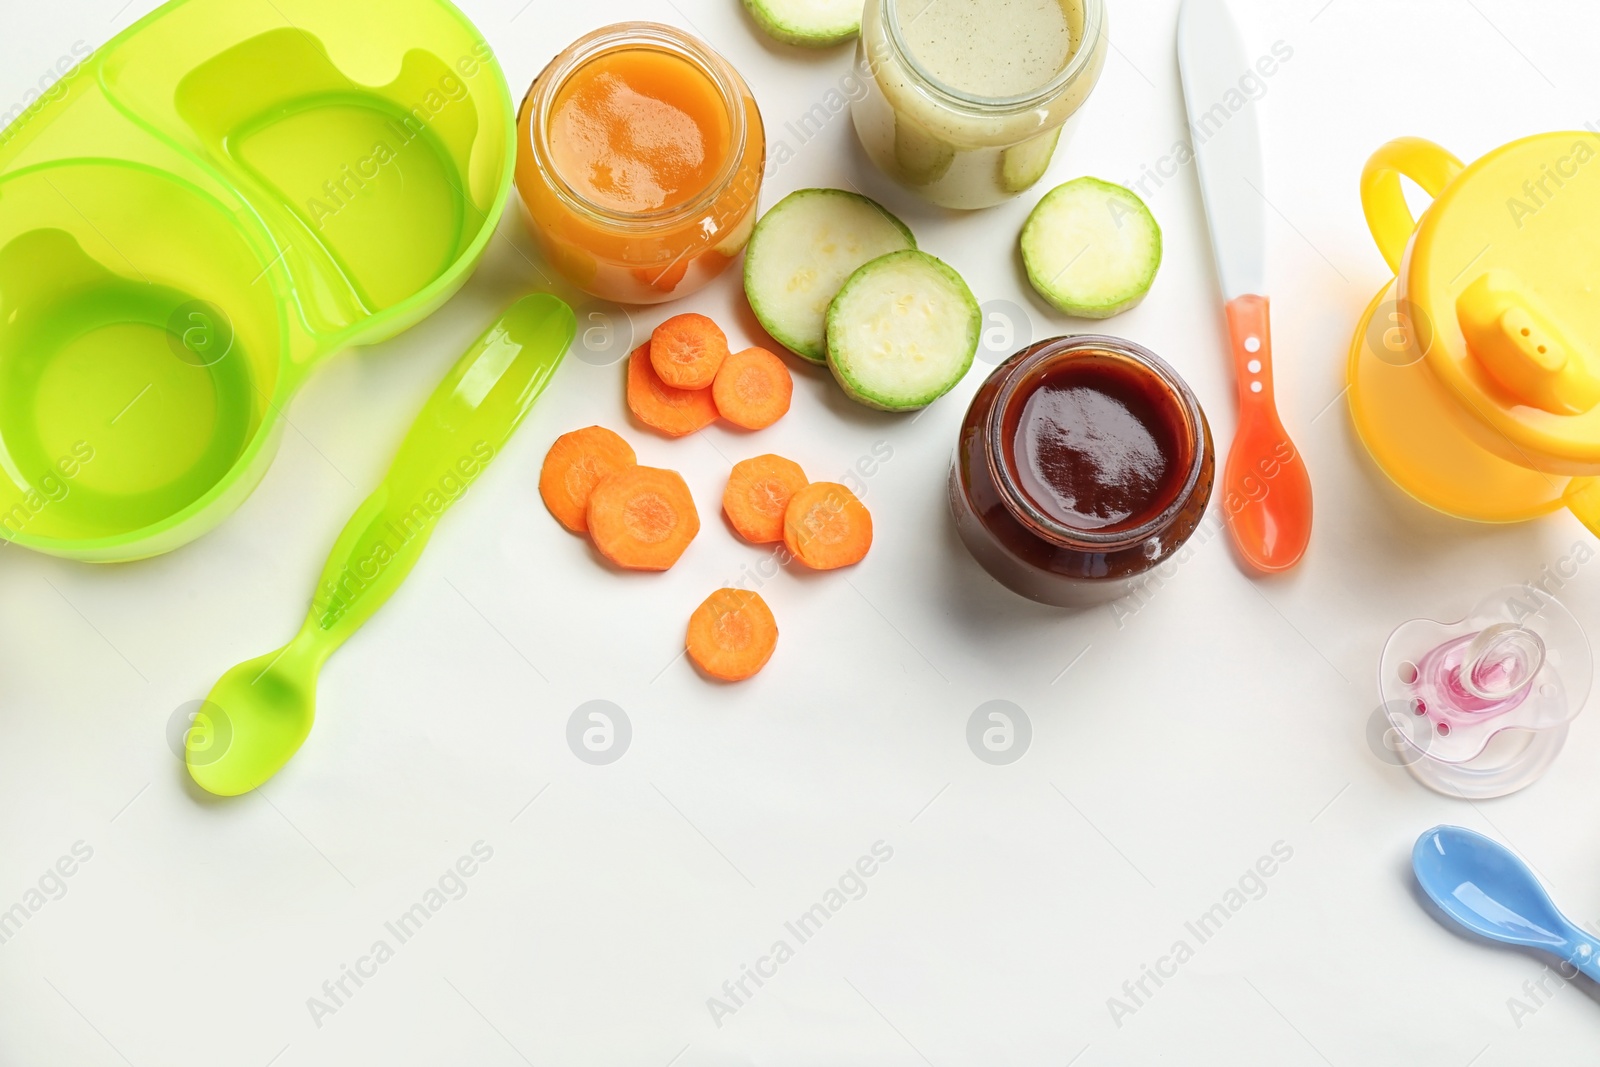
x=637, y=130
x=640, y=157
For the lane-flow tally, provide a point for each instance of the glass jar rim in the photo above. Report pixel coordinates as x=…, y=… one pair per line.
x=619, y=37
x=1093, y=27
x=1015, y=498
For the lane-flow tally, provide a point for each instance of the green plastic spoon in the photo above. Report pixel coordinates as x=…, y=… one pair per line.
x=260, y=712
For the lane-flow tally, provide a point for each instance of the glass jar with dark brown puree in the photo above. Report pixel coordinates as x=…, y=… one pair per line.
x=1084, y=463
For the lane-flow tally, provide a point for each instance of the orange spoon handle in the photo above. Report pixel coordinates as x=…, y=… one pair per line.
x=1249, y=325
x=1266, y=491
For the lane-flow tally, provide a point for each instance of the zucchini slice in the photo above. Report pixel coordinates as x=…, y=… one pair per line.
x=922, y=158
x=1091, y=248
x=808, y=23
x=1021, y=166
x=902, y=332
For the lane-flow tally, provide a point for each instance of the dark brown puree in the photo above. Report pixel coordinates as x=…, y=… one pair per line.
x=1098, y=445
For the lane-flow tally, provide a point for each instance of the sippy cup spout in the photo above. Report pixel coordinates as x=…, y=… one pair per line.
x=1522, y=345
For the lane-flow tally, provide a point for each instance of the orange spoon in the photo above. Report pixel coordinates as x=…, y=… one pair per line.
x=1266, y=492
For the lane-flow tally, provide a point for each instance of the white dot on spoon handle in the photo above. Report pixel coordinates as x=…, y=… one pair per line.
x=1253, y=344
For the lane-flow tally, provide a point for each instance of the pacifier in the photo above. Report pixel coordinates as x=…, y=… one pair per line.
x=1480, y=708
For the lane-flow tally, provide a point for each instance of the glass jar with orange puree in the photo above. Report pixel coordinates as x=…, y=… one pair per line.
x=640, y=160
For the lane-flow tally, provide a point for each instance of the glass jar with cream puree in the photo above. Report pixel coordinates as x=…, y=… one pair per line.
x=968, y=98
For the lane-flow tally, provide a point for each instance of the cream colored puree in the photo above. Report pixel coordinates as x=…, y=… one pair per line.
x=970, y=156
x=993, y=48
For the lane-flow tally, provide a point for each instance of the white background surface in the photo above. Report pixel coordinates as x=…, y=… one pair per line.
x=1225, y=716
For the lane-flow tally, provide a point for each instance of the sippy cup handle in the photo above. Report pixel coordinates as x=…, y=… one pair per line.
x=1388, y=216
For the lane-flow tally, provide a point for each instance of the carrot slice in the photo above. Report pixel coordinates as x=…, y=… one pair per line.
x=732, y=634
x=675, y=412
x=666, y=279
x=574, y=465
x=753, y=389
x=687, y=351
x=826, y=526
x=642, y=518
x=758, y=495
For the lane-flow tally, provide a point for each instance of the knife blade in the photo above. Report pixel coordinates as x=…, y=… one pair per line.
x=1226, y=137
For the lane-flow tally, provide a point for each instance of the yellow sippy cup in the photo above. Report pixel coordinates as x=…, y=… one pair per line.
x=1475, y=374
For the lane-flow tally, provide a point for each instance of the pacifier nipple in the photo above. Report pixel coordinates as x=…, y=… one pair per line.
x=1501, y=662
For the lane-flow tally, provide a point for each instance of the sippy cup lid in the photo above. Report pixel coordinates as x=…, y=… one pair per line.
x=1518, y=662
x=1501, y=277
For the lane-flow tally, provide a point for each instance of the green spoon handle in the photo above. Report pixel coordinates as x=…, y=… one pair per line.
x=460, y=430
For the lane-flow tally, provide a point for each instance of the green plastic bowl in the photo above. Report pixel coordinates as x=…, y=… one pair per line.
x=219, y=198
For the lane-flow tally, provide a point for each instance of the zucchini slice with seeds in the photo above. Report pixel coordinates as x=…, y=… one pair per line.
x=902, y=332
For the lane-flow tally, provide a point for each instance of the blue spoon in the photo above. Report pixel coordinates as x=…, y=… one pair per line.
x=1486, y=889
